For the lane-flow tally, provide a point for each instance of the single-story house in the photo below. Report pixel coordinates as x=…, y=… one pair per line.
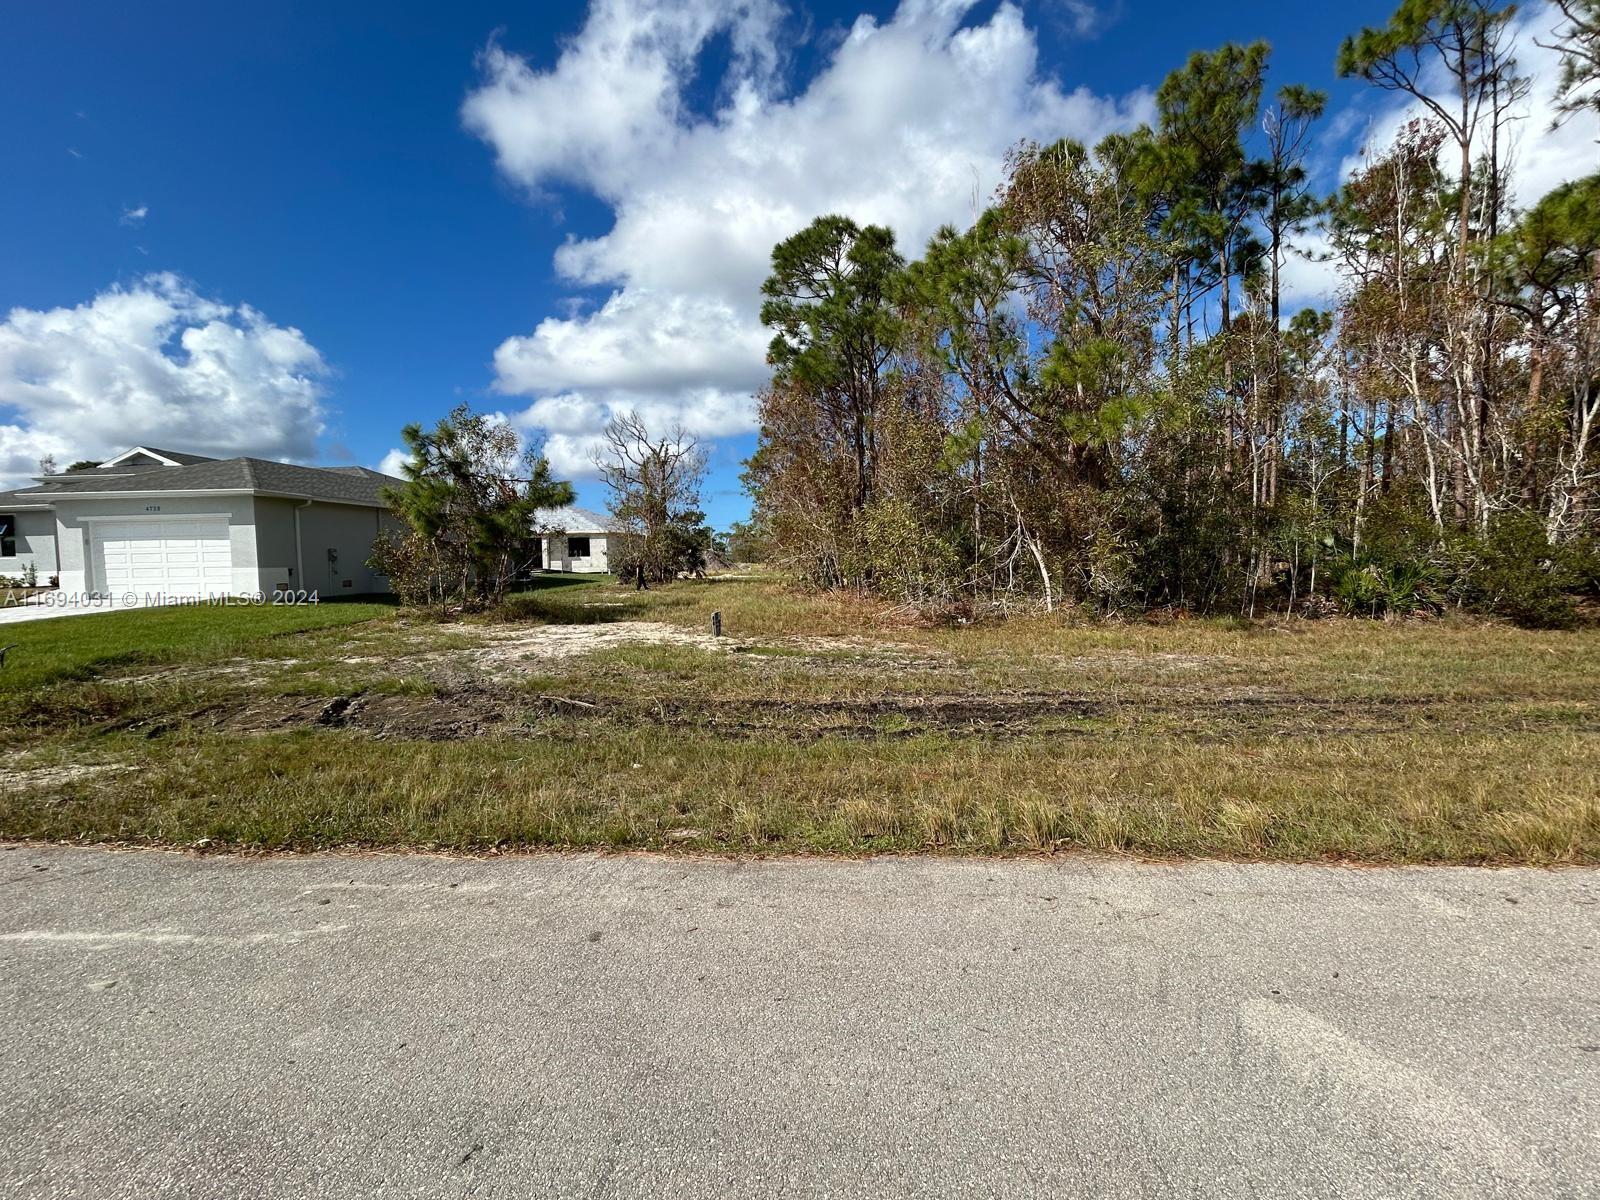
x=161, y=522
x=574, y=539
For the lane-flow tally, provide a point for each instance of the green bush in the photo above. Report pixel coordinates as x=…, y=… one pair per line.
x=902, y=554
x=1515, y=573
x=1370, y=588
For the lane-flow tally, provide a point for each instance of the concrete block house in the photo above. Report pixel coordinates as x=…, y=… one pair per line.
x=575, y=539
x=163, y=522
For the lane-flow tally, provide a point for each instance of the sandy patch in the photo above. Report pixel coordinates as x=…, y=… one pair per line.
x=42, y=777
x=543, y=643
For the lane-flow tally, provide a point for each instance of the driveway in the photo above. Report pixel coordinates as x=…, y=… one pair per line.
x=84, y=605
x=642, y=1026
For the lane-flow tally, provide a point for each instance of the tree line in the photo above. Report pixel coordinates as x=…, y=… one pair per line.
x=1094, y=395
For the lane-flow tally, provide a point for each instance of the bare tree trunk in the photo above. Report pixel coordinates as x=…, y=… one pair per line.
x=1530, y=441
x=1044, y=573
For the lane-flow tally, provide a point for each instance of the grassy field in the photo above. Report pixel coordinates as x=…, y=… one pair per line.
x=591, y=715
x=85, y=647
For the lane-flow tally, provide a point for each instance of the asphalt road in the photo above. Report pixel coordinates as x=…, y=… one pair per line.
x=638, y=1026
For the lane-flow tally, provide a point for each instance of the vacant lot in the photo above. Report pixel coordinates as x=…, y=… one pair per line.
x=590, y=715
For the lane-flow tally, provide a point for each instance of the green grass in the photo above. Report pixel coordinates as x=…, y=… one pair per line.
x=819, y=723
x=81, y=647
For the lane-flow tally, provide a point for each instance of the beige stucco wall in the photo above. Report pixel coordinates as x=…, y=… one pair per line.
x=275, y=561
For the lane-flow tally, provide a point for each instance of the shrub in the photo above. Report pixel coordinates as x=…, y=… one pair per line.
x=1372, y=589
x=419, y=570
x=680, y=548
x=1514, y=572
x=905, y=557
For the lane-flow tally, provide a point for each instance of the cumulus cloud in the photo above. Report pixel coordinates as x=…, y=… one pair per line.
x=154, y=363
x=569, y=425
x=1543, y=158
x=393, y=463
x=1309, y=276
x=905, y=123
x=135, y=216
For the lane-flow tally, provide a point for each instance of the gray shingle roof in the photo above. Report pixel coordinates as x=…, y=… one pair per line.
x=178, y=456
x=10, y=501
x=572, y=519
x=338, y=485
x=148, y=454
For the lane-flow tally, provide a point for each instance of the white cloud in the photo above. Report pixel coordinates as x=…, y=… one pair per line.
x=154, y=363
x=135, y=216
x=1309, y=276
x=393, y=463
x=571, y=455
x=906, y=123
x=570, y=423
x=1542, y=159
x=1086, y=18
x=640, y=339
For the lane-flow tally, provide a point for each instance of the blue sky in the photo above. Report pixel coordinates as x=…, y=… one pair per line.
x=541, y=210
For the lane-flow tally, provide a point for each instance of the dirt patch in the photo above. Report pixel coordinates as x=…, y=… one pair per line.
x=487, y=654
x=43, y=777
x=509, y=648
x=1140, y=663
x=491, y=712
x=889, y=717
x=825, y=652
x=435, y=718
x=509, y=652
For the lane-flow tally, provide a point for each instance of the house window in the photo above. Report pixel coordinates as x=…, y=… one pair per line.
x=577, y=547
x=8, y=537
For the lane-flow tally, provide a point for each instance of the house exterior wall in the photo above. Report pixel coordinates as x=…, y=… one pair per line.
x=556, y=557
x=348, y=530
x=261, y=535
x=36, y=545
x=75, y=518
x=275, y=558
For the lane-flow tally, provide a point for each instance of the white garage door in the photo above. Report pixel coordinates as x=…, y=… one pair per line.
x=171, y=556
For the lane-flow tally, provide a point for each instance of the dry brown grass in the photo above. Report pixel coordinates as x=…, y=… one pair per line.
x=820, y=724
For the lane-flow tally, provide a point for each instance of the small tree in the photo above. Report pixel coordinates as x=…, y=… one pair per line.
x=655, y=494
x=748, y=542
x=469, y=499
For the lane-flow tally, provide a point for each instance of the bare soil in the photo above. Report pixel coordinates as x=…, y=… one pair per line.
x=520, y=646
